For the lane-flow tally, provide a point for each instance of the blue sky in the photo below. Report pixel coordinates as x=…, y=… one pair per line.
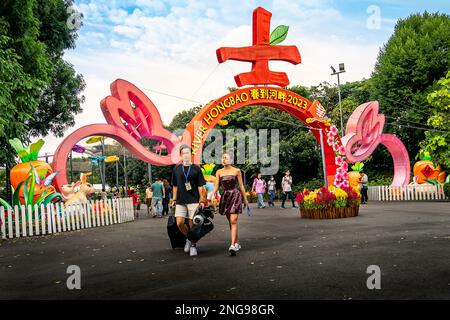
x=169, y=45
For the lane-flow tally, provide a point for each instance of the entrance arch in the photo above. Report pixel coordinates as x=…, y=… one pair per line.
x=300, y=107
x=144, y=121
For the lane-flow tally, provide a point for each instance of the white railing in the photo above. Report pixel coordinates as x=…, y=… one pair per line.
x=406, y=193
x=55, y=218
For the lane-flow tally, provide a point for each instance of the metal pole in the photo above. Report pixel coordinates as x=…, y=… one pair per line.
x=324, y=165
x=125, y=170
x=103, y=166
x=340, y=106
x=149, y=168
x=117, y=174
x=71, y=166
x=92, y=175
x=101, y=175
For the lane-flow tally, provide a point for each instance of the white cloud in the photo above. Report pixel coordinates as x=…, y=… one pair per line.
x=129, y=32
x=117, y=15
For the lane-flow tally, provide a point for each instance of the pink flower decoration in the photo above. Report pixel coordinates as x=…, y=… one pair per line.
x=345, y=176
x=335, y=147
x=344, y=166
x=330, y=141
x=342, y=150
x=339, y=161
x=346, y=183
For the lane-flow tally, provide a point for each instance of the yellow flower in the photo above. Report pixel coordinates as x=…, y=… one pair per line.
x=339, y=193
x=356, y=189
x=310, y=197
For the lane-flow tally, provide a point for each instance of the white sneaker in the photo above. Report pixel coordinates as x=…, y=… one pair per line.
x=193, y=251
x=232, y=250
x=187, y=246
x=237, y=246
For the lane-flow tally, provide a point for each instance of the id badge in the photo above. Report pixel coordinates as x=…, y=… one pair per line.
x=188, y=186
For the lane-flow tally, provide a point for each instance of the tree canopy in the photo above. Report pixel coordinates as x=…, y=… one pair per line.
x=407, y=68
x=40, y=93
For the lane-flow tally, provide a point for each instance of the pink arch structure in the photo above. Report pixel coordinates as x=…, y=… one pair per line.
x=364, y=132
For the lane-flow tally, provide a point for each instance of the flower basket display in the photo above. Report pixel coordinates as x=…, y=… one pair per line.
x=329, y=203
x=332, y=213
x=251, y=197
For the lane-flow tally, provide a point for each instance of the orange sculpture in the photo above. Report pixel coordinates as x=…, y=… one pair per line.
x=425, y=171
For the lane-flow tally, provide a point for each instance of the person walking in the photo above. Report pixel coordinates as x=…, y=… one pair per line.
x=167, y=197
x=271, y=188
x=286, y=185
x=134, y=196
x=259, y=186
x=158, y=195
x=187, y=182
x=364, y=187
x=233, y=196
x=148, y=198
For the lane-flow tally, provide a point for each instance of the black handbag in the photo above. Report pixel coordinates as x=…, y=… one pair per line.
x=202, y=224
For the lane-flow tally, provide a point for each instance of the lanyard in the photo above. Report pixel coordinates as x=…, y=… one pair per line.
x=187, y=175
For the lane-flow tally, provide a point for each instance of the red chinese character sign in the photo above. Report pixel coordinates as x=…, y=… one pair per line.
x=260, y=53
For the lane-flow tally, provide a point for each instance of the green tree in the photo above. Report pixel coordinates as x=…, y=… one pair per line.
x=437, y=143
x=182, y=118
x=415, y=56
x=352, y=94
x=40, y=92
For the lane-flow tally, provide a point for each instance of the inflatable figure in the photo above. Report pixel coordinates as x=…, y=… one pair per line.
x=213, y=199
x=78, y=191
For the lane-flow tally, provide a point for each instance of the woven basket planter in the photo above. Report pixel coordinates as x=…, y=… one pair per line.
x=333, y=213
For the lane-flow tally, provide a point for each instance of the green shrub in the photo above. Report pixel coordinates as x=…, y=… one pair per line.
x=380, y=181
x=311, y=185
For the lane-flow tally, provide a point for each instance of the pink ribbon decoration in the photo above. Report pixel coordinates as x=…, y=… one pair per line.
x=364, y=132
x=130, y=116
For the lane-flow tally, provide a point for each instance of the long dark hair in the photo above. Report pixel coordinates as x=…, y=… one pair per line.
x=166, y=184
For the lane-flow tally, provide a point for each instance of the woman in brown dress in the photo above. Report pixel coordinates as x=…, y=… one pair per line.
x=232, y=199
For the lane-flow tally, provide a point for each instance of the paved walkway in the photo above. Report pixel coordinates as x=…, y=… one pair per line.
x=282, y=257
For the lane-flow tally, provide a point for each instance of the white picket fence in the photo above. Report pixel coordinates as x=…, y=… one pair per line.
x=406, y=193
x=55, y=218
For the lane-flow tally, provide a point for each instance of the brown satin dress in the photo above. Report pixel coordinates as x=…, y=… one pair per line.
x=231, y=199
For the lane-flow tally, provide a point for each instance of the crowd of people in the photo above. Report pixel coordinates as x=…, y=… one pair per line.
x=261, y=187
x=188, y=190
